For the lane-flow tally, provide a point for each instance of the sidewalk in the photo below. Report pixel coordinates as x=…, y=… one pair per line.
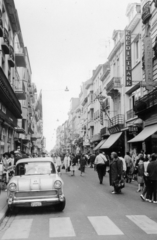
x=3, y=205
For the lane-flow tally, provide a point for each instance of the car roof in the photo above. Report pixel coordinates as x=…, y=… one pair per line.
x=41, y=159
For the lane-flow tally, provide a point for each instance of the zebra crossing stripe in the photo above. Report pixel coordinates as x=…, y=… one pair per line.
x=61, y=227
x=145, y=223
x=104, y=226
x=19, y=229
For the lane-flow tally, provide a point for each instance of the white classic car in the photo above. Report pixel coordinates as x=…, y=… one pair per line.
x=36, y=183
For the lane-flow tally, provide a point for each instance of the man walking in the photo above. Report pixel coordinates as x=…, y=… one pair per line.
x=100, y=162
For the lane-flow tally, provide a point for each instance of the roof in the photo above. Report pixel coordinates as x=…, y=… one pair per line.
x=41, y=159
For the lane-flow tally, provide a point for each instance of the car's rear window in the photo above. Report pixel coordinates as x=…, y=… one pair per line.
x=35, y=168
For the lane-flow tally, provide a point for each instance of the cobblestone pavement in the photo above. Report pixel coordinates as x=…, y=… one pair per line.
x=91, y=212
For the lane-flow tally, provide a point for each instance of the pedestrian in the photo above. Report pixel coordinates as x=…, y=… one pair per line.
x=140, y=173
x=82, y=161
x=100, y=162
x=67, y=162
x=74, y=161
x=129, y=167
x=92, y=159
x=116, y=171
x=58, y=163
x=146, y=190
x=124, y=164
x=152, y=171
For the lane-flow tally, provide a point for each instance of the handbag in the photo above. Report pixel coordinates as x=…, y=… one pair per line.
x=119, y=183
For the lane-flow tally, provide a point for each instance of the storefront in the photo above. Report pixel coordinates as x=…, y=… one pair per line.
x=115, y=142
x=10, y=111
x=148, y=138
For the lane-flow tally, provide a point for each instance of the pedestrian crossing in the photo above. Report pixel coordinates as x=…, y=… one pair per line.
x=63, y=227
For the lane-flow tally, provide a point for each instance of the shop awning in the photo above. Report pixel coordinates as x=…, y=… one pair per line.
x=99, y=144
x=111, y=140
x=144, y=134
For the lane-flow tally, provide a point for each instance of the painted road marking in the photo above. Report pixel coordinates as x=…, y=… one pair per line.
x=61, y=227
x=19, y=229
x=145, y=223
x=104, y=226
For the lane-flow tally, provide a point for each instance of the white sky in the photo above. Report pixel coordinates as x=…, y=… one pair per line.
x=66, y=40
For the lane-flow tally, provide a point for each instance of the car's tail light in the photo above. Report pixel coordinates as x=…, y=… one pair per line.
x=12, y=187
x=57, y=184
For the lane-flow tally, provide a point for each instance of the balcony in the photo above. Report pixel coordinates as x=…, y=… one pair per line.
x=130, y=114
x=116, y=124
x=146, y=104
x=11, y=57
x=19, y=87
x=1, y=27
x=20, y=58
x=104, y=132
x=113, y=86
x=5, y=43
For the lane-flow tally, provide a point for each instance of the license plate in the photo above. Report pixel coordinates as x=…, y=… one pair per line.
x=36, y=204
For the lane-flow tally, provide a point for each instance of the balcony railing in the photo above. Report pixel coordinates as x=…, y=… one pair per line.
x=5, y=44
x=113, y=84
x=11, y=57
x=1, y=27
x=19, y=87
x=117, y=120
x=146, y=102
x=130, y=114
x=19, y=56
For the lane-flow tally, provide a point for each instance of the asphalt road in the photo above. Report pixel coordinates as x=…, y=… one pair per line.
x=91, y=213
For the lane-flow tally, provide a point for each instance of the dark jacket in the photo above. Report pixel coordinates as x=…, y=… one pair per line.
x=116, y=169
x=152, y=170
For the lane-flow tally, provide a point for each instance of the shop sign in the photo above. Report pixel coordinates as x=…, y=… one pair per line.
x=133, y=129
x=128, y=65
x=114, y=129
x=148, y=61
x=146, y=15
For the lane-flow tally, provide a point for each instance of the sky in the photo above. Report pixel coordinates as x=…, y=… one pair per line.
x=66, y=41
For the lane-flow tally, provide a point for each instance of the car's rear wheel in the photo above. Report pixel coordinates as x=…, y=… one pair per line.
x=60, y=206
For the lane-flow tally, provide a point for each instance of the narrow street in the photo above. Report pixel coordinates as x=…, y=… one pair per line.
x=91, y=212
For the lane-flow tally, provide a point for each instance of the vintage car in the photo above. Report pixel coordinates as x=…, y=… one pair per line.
x=36, y=183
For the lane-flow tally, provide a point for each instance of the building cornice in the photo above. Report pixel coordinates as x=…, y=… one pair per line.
x=114, y=50
x=134, y=22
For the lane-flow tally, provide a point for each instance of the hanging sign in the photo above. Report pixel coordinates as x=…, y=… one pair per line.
x=148, y=55
x=128, y=68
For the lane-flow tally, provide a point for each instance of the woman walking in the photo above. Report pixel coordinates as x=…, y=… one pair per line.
x=82, y=164
x=116, y=171
x=67, y=162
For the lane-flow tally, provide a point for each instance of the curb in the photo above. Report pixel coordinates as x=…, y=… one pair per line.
x=3, y=213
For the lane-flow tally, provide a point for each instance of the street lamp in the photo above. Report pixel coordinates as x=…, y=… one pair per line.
x=66, y=89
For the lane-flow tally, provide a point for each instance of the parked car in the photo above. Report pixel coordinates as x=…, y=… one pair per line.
x=36, y=183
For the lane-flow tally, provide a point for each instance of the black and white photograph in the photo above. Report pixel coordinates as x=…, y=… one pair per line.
x=78, y=119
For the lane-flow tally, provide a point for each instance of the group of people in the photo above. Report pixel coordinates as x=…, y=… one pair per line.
x=70, y=162
x=141, y=167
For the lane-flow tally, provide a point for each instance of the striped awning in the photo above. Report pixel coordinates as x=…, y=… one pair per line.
x=99, y=144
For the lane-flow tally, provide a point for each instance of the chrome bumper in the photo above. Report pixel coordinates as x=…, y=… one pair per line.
x=15, y=201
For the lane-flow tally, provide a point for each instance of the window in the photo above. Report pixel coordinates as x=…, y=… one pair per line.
x=136, y=51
